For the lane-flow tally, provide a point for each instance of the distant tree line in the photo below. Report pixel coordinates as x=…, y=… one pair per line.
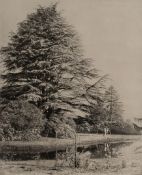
x=50, y=88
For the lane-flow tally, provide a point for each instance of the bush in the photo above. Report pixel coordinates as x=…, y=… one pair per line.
x=56, y=127
x=126, y=128
x=20, y=120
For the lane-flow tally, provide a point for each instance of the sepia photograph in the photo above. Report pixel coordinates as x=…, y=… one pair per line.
x=70, y=87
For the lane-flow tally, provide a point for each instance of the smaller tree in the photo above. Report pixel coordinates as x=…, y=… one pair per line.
x=113, y=108
x=98, y=118
x=20, y=120
x=95, y=97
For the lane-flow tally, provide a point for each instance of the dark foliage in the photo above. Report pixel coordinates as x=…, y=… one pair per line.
x=20, y=120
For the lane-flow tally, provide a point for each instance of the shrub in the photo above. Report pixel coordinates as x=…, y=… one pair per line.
x=56, y=127
x=20, y=120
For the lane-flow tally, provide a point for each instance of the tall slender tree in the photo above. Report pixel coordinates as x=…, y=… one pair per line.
x=113, y=107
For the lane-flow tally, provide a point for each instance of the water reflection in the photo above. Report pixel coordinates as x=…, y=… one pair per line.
x=67, y=156
x=103, y=150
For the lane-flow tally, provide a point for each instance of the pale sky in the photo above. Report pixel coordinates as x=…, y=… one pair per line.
x=110, y=31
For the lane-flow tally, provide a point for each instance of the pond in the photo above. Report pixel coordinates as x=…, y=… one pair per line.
x=68, y=154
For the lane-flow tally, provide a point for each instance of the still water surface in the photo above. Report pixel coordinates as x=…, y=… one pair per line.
x=99, y=151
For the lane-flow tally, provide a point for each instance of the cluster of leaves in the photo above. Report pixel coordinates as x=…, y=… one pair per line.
x=20, y=120
x=61, y=128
